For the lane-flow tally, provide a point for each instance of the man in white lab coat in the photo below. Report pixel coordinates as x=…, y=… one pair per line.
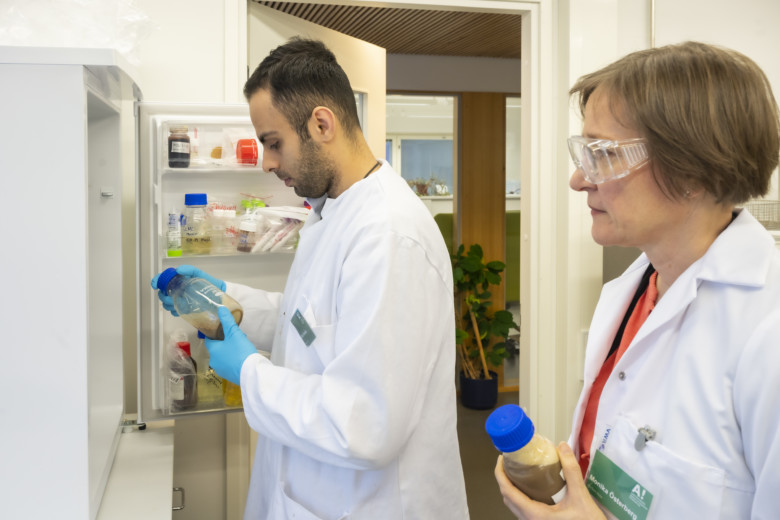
x=355, y=410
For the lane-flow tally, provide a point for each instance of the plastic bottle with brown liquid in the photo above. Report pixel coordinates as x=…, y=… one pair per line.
x=197, y=301
x=530, y=460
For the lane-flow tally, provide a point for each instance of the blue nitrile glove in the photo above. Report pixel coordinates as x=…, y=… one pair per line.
x=185, y=270
x=228, y=356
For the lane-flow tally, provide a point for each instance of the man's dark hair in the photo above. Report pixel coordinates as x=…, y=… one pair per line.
x=301, y=75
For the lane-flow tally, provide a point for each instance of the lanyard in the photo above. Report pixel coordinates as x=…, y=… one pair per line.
x=638, y=294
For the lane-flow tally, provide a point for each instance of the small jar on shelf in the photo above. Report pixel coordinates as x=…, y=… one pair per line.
x=178, y=147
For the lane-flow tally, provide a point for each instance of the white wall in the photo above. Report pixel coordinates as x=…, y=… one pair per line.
x=749, y=26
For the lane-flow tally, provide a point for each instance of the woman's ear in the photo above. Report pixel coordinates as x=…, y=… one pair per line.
x=322, y=124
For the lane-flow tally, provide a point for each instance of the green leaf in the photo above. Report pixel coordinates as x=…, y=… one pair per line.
x=471, y=265
x=504, y=317
x=476, y=251
x=493, y=278
x=496, y=265
x=457, y=274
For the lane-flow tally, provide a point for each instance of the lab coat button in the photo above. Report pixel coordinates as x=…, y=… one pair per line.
x=622, y=376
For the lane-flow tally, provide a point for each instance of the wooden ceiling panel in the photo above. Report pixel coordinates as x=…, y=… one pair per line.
x=417, y=31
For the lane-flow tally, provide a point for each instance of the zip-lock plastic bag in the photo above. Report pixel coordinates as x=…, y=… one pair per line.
x=277, y=228
x=181, y=374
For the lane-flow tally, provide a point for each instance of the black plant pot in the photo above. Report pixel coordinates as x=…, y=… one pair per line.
x=479, y=394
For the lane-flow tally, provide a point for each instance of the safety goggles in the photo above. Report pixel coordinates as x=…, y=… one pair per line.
x=601, y=160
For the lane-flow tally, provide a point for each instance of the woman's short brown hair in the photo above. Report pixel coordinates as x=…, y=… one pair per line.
x=708, y=115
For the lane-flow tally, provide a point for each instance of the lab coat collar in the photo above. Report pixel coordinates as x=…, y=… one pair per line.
x=330, y=205
x=740, y=255
x=317, y=204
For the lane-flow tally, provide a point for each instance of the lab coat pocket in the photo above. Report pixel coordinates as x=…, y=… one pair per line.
x=324, y=345
x=311, y=338
x=287, y=507
x=682, y=488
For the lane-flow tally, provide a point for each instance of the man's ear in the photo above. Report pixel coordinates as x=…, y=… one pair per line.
x=322, y=124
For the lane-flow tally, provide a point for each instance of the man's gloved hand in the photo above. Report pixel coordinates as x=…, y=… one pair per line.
x=228, y=356
x=185, y=270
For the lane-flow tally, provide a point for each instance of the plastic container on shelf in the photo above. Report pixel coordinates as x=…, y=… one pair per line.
x=246, y=152
x=197, y=301
x=231, y=393
x=178, y=147
x=247, y=235
x=195, y=225
x=182, y=377
x=224, y=234
x=530, y=460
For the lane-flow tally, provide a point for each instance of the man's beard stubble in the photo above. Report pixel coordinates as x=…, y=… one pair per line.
x=316, y=172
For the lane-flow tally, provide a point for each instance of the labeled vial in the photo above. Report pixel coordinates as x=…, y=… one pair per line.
x=178, y=147
x=195, y=225
x=174, y=234
x=197, y=301
x=530, y=460
x=247, y=235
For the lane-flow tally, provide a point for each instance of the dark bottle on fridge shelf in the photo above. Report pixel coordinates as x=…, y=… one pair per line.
x=178, y=147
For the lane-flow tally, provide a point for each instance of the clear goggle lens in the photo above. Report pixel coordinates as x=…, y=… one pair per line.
x=602, y=160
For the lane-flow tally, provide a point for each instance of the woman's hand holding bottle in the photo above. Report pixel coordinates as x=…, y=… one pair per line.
x=577, y=504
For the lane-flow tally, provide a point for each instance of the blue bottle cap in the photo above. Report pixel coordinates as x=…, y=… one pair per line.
x=509, y=428
x=201, y=335
x=165, y=278
x=195, y=199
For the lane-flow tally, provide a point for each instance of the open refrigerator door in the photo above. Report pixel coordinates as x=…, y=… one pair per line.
x=203, y=200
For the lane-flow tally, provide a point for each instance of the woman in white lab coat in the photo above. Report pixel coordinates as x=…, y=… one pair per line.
x=679, y=416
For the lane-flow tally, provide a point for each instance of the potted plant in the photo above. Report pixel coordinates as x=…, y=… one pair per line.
x=420, y=186
x=481, y=333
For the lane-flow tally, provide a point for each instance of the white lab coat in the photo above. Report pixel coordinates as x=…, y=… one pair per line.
x=362, y=423
x=704, y=373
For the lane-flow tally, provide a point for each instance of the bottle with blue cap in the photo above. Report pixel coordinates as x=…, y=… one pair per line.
x=195, y=225
x=530, y=460
x=197, y=301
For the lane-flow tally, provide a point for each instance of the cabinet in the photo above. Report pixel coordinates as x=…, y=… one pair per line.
x=62, y=164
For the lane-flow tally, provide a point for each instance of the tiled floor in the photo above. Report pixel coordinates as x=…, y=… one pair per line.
x=479, y=459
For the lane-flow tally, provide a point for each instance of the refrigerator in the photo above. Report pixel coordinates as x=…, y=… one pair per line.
x=238, y=191
x=88, y=187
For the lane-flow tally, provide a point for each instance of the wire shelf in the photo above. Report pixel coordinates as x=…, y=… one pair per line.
x=767, y=212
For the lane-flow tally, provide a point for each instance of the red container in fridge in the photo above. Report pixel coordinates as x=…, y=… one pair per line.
x=246, y=151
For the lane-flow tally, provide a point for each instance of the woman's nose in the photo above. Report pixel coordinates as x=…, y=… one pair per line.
x=578, y=182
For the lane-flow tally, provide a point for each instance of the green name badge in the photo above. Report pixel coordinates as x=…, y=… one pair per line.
x=623, y=496
x=304, y=331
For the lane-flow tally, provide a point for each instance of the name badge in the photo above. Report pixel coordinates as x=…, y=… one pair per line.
x=613, y=488
x=303, y=328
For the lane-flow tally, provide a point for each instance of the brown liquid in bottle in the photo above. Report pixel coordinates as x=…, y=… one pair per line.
x=538, y=482
x=209, y=323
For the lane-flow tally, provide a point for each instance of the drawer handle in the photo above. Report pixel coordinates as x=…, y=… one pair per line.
x=181, y=491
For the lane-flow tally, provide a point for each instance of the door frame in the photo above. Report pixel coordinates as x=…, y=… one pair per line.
x=542, y=379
